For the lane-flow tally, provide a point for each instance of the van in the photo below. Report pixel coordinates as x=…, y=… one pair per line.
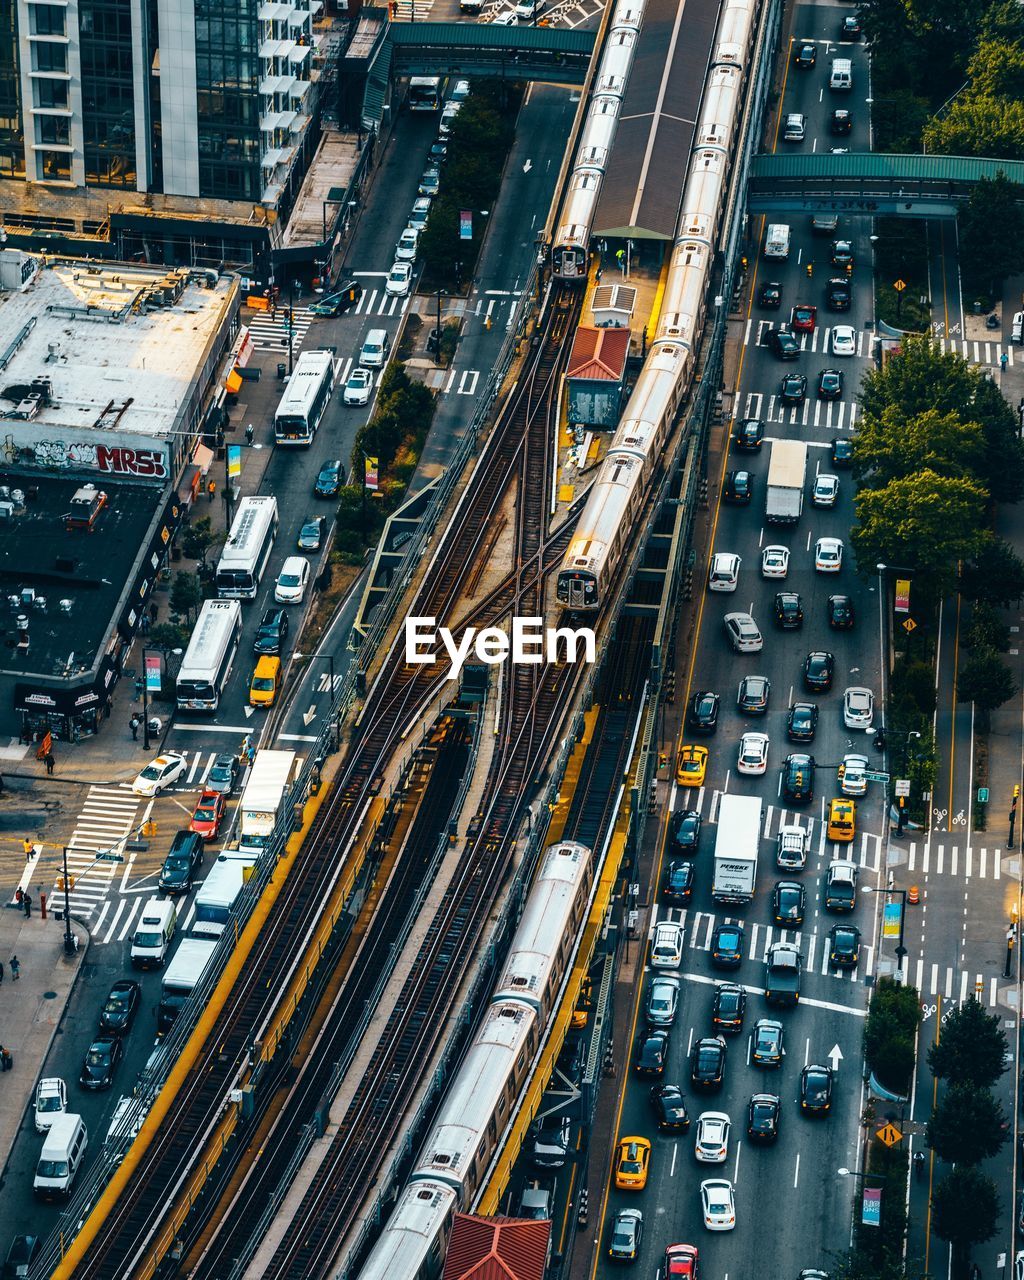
x=842, y=821
x=152, y=939
x=1017, y=332
x=724, y=572
x=794, y=128
x=266, y=681
x=61, y=1157
x=375, y=349
x=776, y=242
x=840, y=76
x=526, y=10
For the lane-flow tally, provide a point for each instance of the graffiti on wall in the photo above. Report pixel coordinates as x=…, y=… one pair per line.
x=67, y=455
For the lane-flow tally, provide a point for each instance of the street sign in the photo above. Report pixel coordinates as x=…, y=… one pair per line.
x=983, y=795
x=875, y=777
x=899, y=285
x=903, y=786
x=909, y=625
x=889, y=1134
x=110, y=857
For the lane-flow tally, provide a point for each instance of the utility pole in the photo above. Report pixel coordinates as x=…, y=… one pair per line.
x=69, y=937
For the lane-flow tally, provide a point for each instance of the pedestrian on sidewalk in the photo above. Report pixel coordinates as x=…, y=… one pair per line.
x=29, y=848
x=133, y=724
x=250, y=434
x=49, y=760
x=18, y=897
x=6, y=1060
x=15, y=968
x=26, y=902
x=211, y=488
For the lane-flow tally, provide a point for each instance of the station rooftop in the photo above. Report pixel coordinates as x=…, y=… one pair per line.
x=120, y=345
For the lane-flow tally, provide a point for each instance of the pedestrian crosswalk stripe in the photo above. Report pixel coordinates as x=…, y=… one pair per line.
x=937, y=859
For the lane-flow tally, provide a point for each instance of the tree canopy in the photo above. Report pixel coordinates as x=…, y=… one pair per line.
x=890, y=445
x=967, y=1125
x=965, y=1208
x=997, y=578
x=971, y=1049
x=985, y=680
x=991, y=223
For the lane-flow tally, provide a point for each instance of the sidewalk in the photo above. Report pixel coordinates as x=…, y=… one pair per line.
x=31, y=1009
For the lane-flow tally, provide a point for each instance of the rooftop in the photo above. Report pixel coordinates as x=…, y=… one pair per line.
x=120, y=345
x=599, y=354
x=496, y=1248
x=323, y=190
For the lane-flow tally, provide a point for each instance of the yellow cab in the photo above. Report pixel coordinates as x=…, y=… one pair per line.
x=842, y=821
x=632, y=1161
x=691, y=766
x=266, y=681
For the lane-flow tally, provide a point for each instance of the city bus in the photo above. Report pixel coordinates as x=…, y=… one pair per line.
x=247, y=549
x=305, y=398
x=425, y=93
x=211, y=650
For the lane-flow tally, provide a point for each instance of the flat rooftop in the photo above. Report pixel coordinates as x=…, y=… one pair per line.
x=87, y=569
x=120, y=344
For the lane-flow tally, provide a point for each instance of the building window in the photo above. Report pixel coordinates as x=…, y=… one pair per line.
x=108, y=93
x=12, y=147
x=49, y=57
x=50, y=93
x=227, y=99
x=53, y=130
x=53, y=166
x=47, y=20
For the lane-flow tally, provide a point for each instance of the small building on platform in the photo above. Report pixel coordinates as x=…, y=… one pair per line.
x=596, y=376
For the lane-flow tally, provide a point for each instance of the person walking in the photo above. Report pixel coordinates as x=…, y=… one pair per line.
x=211, y=488
x=15, y=968
x=49, y=760
x=250, y=434
x=133, y=724
x=29, y=848
x=26, y=902
x=6, y=1060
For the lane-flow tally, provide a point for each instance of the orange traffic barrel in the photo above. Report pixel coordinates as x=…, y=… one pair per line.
x=913, y=896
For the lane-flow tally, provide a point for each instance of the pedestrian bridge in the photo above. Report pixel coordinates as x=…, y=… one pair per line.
x=911, y=186
x=552, y=54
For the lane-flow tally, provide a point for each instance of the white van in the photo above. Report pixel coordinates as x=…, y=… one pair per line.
x=152, y=939
x=776, y=242
x=526, y=10
x=375, y=349
x=61, y=1157
x=840, y=77
x=1017, y=332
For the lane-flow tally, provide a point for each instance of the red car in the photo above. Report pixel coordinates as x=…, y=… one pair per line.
x=681, y=1260
x=208, y=816
x=804, y=318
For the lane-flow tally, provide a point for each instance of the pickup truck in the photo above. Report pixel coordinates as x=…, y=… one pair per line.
x=791, y=851
x=782, y=968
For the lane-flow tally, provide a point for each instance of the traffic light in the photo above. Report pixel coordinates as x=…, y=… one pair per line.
x=1016, y=791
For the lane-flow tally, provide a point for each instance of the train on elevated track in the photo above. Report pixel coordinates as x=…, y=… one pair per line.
x=605, y=529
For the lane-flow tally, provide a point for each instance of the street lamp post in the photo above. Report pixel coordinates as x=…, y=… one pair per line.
x=901, y=950
x=69, y=937
x=145, y=715
x=437, y=352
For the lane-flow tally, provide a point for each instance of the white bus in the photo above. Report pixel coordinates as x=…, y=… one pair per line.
x=247, y=549
x=305, y=398
x=425, y=93
x=210, y=653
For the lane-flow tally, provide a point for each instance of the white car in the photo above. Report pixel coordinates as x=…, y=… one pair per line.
x=159, y=773
x=420, y=212
x=825, y=491
x=448, y=115
x=430, y=183
x=716, y=1200
x=753, y=753
x=461, y=91
x=775, y=562
x=667, y=946
x=858, y=708
x=358, y=387
x=828, y=555
x=743, y=633
x=844, y=340
x=51, y=1102
x=724, y=573
x=712, y=1144
x=853, y=775
x=408, y=243
x=290, y=587
x=399, y=280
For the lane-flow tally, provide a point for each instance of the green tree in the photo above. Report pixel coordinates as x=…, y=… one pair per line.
x=923, y=43
x=919, y=378
x=889, y=1031
x=926, y=522
x=971, y=1049
x=1003, y=472
x=197, y=539
x=892, y=445
x=913, y=684
x=167, y=635
x=186, y=594
x=997, y=578
x=967, y=1125
x=996, y=69
x=965, y=1212
x=987, y=681
x=981, y=126
x=991, y=224
x=898, y=119
x=987, y=630
x=861, y=1264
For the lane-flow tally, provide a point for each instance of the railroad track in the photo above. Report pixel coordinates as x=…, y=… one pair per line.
x=141, y=1209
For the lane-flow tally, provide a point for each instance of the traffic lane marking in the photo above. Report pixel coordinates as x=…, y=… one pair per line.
x=810, y=1001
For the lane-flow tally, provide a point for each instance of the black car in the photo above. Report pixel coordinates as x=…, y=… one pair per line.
x=686, y=832
x=122, y=1004
x=789, y=613
x=770, y=295
x=707, y=1063
x=182, y=862
x=23, y=1252
x=702, y=716
x=728, y=1009
x=849, y=28
x=763, y=1117
x=842, y=453
x=793, y=388
x=806, y=55
x=788, y=902
x=830, y=384
x=739, y=488
x=843, y=945
x=752, y=696
x=311, y=535
x=816, y=1090
x=678, y=882
x=339, y=300
x=101, y=1059
x=840, y=613
x=727, y=946
x=766, y=1043
x=651, y=1053
x=749, y=433
x=838, y=294
x=798, y=778
x=670, y=1108
x=438, y=152
x=270, y=635
x=329, y=479
x=784, y=344
x=842, y=253
x=802, y=722
x=840, y=122
x=819, y=668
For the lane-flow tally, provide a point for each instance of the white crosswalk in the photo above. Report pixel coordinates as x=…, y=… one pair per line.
x=106, y=820
x=979, y=352
x=832, y=415
x=269, y=333
x=952, y=860
x=378, y=302
x=818, y=340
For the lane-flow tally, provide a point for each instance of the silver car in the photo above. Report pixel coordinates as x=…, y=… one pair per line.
x=662, y=1000
x=858, y=708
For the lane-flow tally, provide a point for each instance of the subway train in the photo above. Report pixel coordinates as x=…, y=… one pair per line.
x=481, y=1098
x=571, y=245
x=608, y=520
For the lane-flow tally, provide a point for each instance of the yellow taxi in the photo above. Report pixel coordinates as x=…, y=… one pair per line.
x=632, y=1161
x=265, y=683
x=691, y=766
x=842, y=821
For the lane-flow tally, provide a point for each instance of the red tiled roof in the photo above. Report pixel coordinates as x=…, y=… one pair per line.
x=496, y=1249
x=599, y=354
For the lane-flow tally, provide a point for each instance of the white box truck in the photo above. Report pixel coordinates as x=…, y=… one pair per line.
x=262, y=800
x=776, y=241
x=787, y=472
x=181, y=978
x=736, y=846
x=219, y=892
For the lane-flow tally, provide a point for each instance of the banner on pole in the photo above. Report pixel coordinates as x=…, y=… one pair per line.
x=871, y=1207
x=371, y=473
x=902, y=604
x=465, y=224
x=153, y=673
x=234, y=461
x=891, y=919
